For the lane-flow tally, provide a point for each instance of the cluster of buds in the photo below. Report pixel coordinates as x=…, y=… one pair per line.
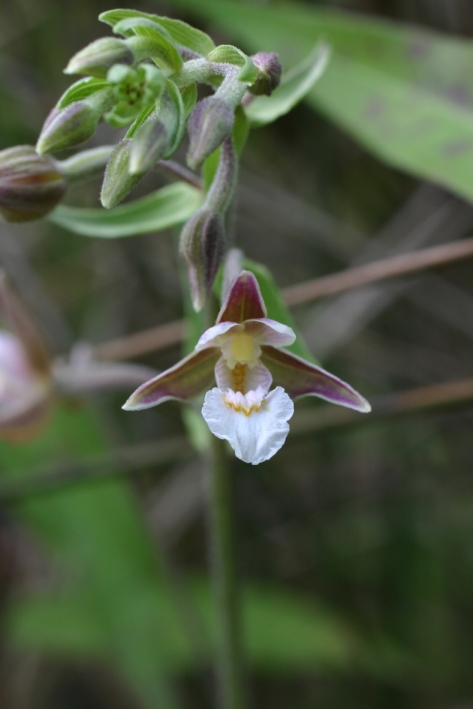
x=145, y=79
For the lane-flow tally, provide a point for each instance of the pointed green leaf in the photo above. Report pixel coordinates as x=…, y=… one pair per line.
x=182, y=33
x=188, y=36
x=171, y=111
x=189, y=98
x=138, y=122
x=81, y=90
x=167, y=207
x=160, y=45
x=227, y=54
x=292, y=89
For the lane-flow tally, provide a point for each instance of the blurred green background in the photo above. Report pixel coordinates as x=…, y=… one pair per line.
x=355, y=543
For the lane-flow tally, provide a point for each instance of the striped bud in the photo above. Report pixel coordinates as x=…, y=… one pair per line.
x=117, y=181
x=209, y=124
x=149, y=145
x=66, y=127
x=30, y=185
x=201, y=248
x=97, y=58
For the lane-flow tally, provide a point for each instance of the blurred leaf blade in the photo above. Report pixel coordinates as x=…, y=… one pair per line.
x=293, y=88
x=165, y=208
x=95, y=534
x=403, y=92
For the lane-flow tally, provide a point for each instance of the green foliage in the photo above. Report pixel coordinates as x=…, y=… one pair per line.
x=182, y=33
x=173, y=114
x=81, y=90
x=114, y=578
x=228, y=54
x=405, y=93
x=167, y=207
x=160, y=46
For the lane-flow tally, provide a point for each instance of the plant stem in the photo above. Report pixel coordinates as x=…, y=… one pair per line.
x=228, y=664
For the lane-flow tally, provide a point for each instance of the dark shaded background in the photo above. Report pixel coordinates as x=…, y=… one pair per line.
x=375, y=521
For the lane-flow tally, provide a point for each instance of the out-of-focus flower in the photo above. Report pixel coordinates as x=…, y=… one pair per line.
x=25, y=373
x=244, y=352
x=30, y=380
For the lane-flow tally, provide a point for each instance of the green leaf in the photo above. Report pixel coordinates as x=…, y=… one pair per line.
x=117, y=605
x=82, y=90
x=113, y=17
x=240, y=130
x=167, y=207
x=276, y=308
x=293, y=88
x=405, y=93
x=138, y=122
x=160, y=46
x=227, y=54
x=182, y=33
x=188, y=36
x=172, y=105
x=189, y=98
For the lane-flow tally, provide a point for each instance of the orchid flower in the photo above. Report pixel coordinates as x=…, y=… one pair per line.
x=243, y=352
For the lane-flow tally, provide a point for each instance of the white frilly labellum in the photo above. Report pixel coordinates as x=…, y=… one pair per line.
x=255, y=423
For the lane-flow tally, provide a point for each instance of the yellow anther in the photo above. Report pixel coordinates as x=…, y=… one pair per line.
x=243, y=348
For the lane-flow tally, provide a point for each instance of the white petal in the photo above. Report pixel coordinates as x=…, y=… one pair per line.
x=242, y=377
x=270, y=332
x=215, y=336
x=255, y=437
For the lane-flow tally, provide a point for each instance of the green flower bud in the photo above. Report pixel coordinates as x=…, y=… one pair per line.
x=269, y=73
x=30, y=185
x=118, y=181
x=209, y=124
x=201, y=248
x=149, y=145
x=133, y=89
x=73, y=124
x=97, y=58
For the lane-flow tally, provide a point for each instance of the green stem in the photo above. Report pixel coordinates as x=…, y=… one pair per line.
x=226, y=597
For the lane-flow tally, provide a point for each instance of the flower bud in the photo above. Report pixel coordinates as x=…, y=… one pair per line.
x=117, y=180
x=30, y=185
x=201, y=248
x=97, y=58
x=133, y=90
x=149, y=145
x=73, y=124
x=209, y=124
x=269, y=73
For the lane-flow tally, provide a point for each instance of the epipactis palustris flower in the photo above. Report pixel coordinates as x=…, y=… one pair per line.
x=243, y=352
